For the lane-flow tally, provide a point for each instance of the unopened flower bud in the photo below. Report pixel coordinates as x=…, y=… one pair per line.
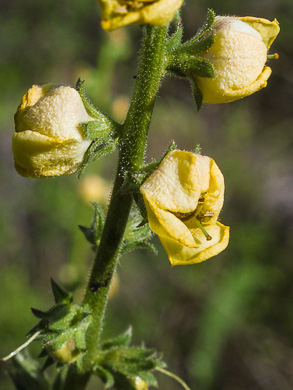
x=238, y=56
x=68, y=353
x=49, y=140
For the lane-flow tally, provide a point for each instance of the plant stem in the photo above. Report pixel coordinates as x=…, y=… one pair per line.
x=131, y=158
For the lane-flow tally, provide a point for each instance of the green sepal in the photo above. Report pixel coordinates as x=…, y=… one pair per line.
x=48, y=363
x=96, y=130
x=175, y=40
x=105, y=375
x=106, y=123
x=94, y=232
x=191, y=66
x=43, y=353
x=61, y=324
x=26, y=373
x=123, y=340
x=60, y=379
x=136, y=234
x=197, y=149
x=149, y=378
x=138, y=245
x=130, y=361
x=139, y=201
x=96, y=150
x=207, y=26
x=196, y=47
x=201, y=67
x=60, y=295
x=197, y=95
x=52, y=316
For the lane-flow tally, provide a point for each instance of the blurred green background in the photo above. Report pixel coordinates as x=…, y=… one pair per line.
x=226, y=324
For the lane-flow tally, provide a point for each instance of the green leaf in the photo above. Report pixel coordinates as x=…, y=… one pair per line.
x=120, y=341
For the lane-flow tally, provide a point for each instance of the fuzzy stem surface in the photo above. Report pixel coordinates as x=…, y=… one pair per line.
x=131, y=158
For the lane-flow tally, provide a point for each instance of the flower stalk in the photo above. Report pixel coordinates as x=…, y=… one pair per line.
x=131, y=158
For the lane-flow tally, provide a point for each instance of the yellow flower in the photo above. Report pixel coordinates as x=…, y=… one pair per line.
x=183, y=198
x=49, y=140
x=238, y=56
x=119, y=13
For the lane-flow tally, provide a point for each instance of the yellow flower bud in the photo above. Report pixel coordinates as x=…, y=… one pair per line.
x=68, y=353
x=139, y=384
x=119, y=13
x=49, y=140
x=183, y=198
x=238, y=56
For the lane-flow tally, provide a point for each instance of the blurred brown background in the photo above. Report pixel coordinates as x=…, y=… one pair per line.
x=226, y=324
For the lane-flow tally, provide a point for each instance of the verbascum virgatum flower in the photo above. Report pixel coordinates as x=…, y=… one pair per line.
x=183, y=198
x=49, y=140
x=238, y=56
x=119, y=13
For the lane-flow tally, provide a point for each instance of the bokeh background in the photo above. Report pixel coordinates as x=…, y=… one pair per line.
x=226, y=324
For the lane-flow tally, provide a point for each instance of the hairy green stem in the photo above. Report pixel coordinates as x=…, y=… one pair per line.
x=131, y=158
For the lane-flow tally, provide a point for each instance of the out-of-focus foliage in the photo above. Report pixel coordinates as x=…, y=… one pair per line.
x=225, y=324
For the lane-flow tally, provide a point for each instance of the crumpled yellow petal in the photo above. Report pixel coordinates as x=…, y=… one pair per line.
x=267, y=29
x=158, y=13
x=179, y=254
x=215, y=96
x=179, y=186
x=37, y=155
x=167, y=225
x=186, y=189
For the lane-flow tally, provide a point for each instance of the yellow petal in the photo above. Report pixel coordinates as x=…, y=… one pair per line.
x=160, y=12
x=175, y=185
x=267, y=29
x=37, y=155
x=167, y=225
x=179, y=254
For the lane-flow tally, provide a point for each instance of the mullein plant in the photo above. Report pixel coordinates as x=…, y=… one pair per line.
x=179, y=198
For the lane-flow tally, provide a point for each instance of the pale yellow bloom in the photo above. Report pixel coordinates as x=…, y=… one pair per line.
x=183, y=198
x=238, y=56
x=119, y=13
x=49, y=140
